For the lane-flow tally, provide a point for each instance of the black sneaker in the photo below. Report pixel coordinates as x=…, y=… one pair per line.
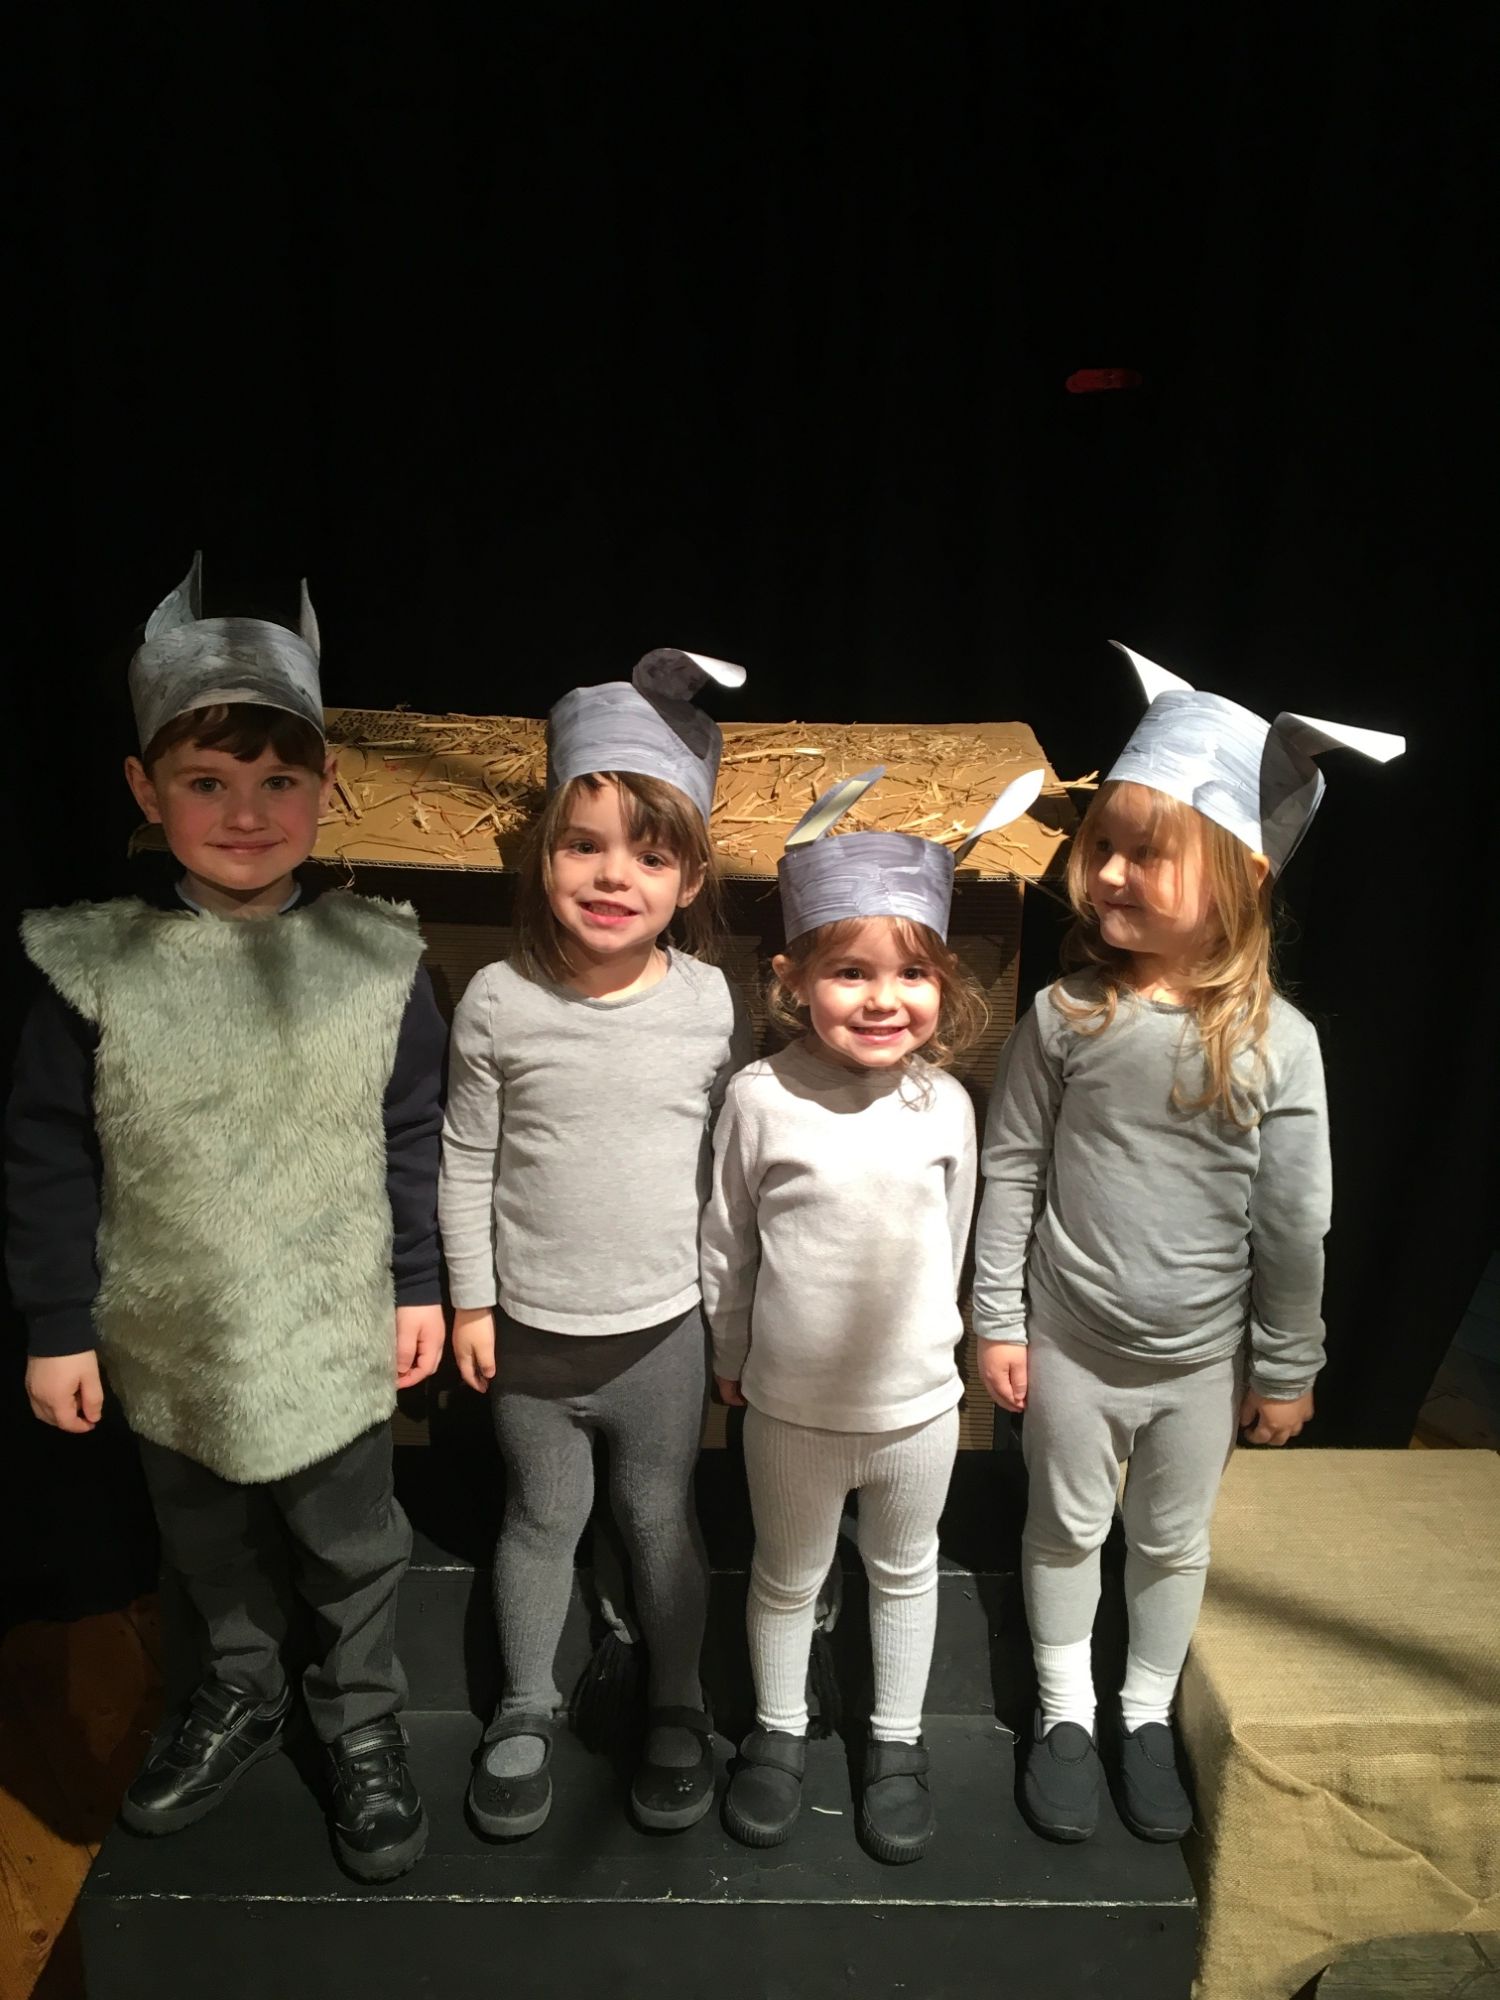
x=504, y=1808
x=1062, y=1781
x=379, y=1826
x=198, y=1758
x=1153, y=1799
x=765, y=1793
x=668, y=1797
x=896, y=1819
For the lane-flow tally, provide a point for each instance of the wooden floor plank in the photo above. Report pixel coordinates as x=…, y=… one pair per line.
x=145, y=1616
x=62, y=1976
x=92, y=1697
x=42, y=1865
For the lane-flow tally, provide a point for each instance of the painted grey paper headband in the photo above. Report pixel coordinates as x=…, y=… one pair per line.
x=878, y=874
x=649, y=725
x=1256, y=779
x=187, y=661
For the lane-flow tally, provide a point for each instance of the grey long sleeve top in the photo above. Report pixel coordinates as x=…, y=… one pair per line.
x=1169, y=1235
x=576, y=1147
x=834, y=1239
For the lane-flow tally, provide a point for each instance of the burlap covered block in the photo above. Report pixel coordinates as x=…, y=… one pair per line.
x=1341, y=1707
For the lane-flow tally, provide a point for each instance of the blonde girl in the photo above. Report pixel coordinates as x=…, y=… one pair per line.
x=1149, y=1255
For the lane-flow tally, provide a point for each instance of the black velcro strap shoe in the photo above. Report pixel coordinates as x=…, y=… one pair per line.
x=1153, y=1799
x=201, y=1754
x=668, y=1797
x=508, y=1808
x=379, y=1827
x=1062, y=1781
x=896, y=1819
x=765, y=1792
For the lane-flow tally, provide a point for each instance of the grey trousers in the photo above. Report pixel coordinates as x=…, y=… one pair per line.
x=335, y=1532
x=1088, y=1412
x=644, y=1394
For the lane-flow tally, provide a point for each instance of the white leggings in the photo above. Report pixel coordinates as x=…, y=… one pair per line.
x=798, y=1482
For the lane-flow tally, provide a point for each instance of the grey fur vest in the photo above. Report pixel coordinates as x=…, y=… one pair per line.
x=245, y=1310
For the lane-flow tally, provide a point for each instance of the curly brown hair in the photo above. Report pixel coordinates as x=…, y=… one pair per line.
x=962, y=1016
x=653, y=810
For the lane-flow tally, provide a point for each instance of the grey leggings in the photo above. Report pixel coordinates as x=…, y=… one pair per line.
x=1087, y=1413
x=644, y=1393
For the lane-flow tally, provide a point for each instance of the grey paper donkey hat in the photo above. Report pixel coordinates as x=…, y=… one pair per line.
x=878, y=874
x=649, y=725
x=1255, y=778
x=187, y=661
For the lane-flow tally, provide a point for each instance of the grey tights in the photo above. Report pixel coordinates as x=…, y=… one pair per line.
x=644, y=1393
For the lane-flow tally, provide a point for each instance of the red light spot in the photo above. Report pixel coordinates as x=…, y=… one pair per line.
x=1084, y=381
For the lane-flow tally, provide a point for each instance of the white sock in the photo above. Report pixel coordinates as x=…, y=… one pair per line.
x=1065, y=1683
x=1147, y=1693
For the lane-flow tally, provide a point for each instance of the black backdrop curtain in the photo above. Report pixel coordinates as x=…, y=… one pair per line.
x=538, y=336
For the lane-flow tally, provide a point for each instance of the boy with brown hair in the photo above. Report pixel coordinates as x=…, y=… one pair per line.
x=222, y=1152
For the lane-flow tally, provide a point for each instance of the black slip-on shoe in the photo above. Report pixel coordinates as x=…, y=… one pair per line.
x=765, y=1791
x=896, y=1817
x=1154, y=1802
x=667, y=1798
x=379, y=1827
x=508, y=1808
x=201, y=1755
x=1062, y=1781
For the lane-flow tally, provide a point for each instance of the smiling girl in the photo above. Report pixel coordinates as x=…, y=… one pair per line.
x=832, y=1246
x=1149, y=1254
x=585, y=1071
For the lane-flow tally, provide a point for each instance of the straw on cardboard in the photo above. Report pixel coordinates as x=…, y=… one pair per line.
x=459, y=791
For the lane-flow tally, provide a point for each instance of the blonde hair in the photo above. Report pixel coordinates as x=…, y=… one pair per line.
x=652, y=811
x=962, y=1014
x=1233, y=984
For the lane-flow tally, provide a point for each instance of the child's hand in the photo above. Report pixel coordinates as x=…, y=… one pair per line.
x=65, y=1390
x=1268, y=1420
x=1002, y=1363
x=729, y=1392
x=419, y=1343
x=474, y=1345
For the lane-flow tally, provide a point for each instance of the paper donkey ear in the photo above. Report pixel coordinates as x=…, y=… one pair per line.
x=678, y=675
x=1307, y=734
x=307, y=624
x=828, y=810
x=182, y=606
x=1154, y=680
x=1018, y=797
x=1257, y=779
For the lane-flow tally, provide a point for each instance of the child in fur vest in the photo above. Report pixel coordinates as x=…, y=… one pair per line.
x=222, y=1151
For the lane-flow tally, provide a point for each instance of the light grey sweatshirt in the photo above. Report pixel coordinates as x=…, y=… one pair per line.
x=834, y=1238
x=576, y=1152
x=1144, y=1229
